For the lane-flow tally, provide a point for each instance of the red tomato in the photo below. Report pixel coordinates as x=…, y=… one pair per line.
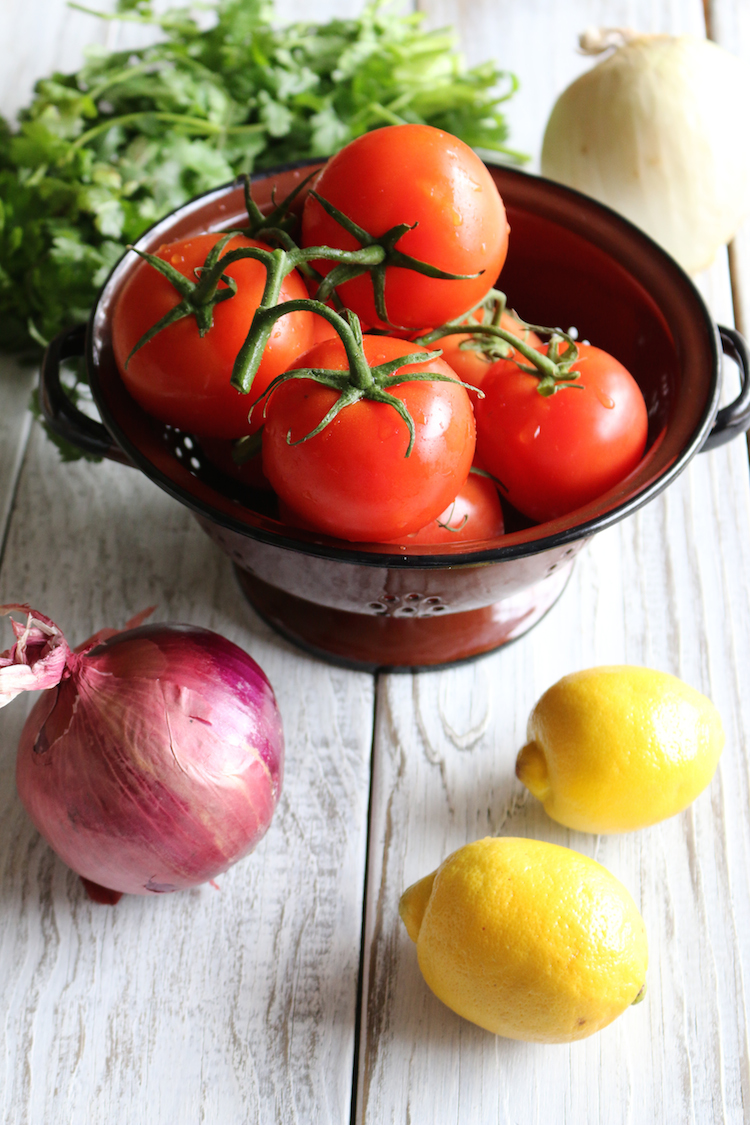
x=474, y=514
x=413, y=174
x=555, y=454
x=471, y=366
x=322, y=329
x=353, y=479
x=182, y=379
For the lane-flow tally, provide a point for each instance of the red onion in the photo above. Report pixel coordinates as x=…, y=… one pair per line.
x=154, y=759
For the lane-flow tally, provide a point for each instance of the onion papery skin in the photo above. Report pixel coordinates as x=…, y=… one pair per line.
x=157, y=762
x=658, y=132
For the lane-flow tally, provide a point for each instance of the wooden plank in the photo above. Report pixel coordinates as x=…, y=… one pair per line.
x=729, y=25
x=666, y=589
x=15, y=424
x=236, y=1005
x=231, y=1006
x=240, y=1008
x=538, y=44
x=663, y=589
x=46, y=36
x=49, y=36
x=57, y=41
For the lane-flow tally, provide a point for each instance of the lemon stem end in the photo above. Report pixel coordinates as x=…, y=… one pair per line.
x=413, y=904
x=640, y=994
x=531, y=770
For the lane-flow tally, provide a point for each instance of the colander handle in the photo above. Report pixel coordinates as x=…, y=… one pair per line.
x=60, y=414
x=733, y=419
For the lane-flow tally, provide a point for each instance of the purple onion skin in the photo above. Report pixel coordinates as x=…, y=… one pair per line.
x=157, y=763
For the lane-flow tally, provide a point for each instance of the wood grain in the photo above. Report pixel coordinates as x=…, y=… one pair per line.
x=729, y=21
x=538, y=43
x=239, y=1005
x=664, y=588
x=233, y=1006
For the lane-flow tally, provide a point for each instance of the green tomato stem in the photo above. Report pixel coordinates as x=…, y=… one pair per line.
x=542, y=362
x=554, y=369
x=279, y=263
x=251, y=352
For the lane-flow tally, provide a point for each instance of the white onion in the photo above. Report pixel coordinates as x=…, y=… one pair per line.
x=659, y=132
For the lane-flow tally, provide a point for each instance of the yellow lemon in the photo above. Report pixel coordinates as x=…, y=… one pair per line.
x=528, y=939
x=616, y=748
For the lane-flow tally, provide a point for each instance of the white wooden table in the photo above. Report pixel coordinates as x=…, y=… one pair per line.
x=291, y=994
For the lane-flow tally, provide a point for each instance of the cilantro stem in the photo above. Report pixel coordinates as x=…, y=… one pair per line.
x=191, y=124
x=122, y=16
x=122, y=75
x=377, y=111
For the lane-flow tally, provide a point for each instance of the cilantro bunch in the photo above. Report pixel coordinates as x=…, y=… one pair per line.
x=100, y=155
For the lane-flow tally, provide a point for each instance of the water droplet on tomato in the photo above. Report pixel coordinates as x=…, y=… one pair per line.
x=605, y=400
x=530, y=433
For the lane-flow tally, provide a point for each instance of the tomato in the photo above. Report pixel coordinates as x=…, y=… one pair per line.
x=178, y=377
x=471, y=366
x=353, y=479
x=413, y=174
x=322, y=329
x=474, y=514
x=554, y=454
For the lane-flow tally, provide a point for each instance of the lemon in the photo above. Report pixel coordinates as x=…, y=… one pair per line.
x=616, y=748
x=527, y=939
